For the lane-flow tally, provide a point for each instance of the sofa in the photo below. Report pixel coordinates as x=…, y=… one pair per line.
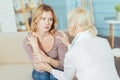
x=14, y=62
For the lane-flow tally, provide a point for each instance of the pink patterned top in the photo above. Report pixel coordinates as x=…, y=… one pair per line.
x=57, y=52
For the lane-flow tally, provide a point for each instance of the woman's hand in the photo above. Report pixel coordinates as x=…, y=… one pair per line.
x=64, y=39
x=43, y=67
x=40, y=63
x=38, y=58
x=32, y=40
x=41, y=58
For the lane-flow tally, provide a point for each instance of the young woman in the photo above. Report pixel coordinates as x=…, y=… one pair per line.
x=43, y=41
x=89, y=57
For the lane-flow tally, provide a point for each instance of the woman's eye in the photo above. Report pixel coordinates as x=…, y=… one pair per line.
x=43, y=18
x=50, y=19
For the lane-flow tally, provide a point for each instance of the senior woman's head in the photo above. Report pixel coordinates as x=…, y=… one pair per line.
x=80, y=20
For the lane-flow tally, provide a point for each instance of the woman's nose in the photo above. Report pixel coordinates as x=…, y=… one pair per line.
x=46, y=21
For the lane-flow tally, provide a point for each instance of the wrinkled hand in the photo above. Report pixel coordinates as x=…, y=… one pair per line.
x=64, y=39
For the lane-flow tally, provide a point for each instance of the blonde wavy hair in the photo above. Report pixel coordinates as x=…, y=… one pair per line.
x=38, y=14
x=83, y=18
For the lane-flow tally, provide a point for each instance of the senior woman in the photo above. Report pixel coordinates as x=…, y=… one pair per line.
x=89, y=57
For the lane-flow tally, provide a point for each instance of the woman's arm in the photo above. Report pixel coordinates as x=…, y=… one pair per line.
x=62, y=49
x=35, y=53
x=67, y=74
x=31, y=47
x=28, y=48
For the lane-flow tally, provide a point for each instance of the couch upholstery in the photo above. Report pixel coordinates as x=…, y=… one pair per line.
x=14, y=62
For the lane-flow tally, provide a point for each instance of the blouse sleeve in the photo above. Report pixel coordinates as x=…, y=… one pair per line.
x=62, y=50
x=28, y=48
x=58, y=74
x=69, y=68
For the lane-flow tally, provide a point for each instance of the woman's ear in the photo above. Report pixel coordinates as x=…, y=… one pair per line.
x=75, y=26
x=74, y=29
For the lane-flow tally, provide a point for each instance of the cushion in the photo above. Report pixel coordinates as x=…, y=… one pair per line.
x=16, y=72
x=11, y=48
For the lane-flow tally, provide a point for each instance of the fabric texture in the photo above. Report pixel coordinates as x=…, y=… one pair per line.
x=11, y=48
x=88, y=58
x=16, y=72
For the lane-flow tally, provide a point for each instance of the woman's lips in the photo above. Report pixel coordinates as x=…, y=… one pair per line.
x=46, y=27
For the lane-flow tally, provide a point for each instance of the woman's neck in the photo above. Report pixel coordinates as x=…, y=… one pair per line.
x=44, y=34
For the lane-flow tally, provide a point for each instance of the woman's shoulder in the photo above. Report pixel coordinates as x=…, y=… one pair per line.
x=25, y=40
x=60, y=33
x=26, y=37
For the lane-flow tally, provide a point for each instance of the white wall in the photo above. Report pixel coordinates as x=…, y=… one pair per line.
x=7, y=16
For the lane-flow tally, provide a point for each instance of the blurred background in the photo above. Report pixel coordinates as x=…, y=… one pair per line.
x=13, y=12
